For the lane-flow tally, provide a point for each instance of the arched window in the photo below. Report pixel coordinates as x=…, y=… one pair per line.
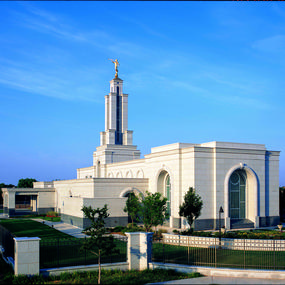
x=164, y=188
x=167, y=193
x=237, y=191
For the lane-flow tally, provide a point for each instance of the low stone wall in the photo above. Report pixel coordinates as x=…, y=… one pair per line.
x=225, y=272
x=105, y=266
x=226, y=243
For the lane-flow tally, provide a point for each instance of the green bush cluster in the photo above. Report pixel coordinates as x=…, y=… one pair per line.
x=52, y=214
x=128, y=229
x=158, y=234
x=251, y=234
x=108, y=277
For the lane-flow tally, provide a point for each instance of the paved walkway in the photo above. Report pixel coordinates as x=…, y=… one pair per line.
x=223, y=280
x=65, y=228
x=68, y=229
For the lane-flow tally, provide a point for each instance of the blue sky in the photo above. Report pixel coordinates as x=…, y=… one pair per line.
x=194, y=71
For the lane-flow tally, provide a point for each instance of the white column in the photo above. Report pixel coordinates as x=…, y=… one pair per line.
x=139, y=250
x=27, y=256
x=124, y=112
x=106, y=112
x=112, y=110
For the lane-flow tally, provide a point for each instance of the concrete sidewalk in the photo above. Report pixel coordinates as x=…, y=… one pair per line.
x=65, y=228
x=223, y=280
x=68, y=229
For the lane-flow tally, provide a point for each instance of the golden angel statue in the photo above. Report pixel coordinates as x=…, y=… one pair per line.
x=116, y=63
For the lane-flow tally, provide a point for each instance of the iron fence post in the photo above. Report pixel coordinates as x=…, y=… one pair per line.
x=274, y=254
x=243, y=253
x=57, y=252
x=188, y=250
x=215, y=252
x=163, y=253
x=85, y=251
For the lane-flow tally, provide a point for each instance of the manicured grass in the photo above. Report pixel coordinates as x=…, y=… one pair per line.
x=30, y=228
x=58, y=249
x=218, y=257
x=108, y=277
x=62, y=252
x=54, y=219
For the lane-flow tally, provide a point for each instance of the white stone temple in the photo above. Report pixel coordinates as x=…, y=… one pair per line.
x=241, y=178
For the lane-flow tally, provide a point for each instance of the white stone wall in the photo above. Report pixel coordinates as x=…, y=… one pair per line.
x=228, y=243
x=75, y=188
x=273, y=183
x=71, y=206
x=115, y=205
x=86, y=172
x=46, y=199
x=204, y=181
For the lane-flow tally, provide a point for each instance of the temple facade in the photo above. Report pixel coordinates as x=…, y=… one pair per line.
x=241, y=178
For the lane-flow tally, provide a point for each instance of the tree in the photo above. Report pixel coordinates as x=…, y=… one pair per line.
x=132, y=206
x=26, y=183
x=98, y=243
x=191, y=207
x=153, y=210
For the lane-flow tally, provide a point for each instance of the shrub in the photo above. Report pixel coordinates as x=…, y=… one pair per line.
x=158, y=234
x=52, y=214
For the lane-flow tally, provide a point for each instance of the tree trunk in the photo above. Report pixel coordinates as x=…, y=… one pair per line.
x=99, y=263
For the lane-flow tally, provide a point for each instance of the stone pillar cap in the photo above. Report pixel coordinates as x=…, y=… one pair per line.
x=26, y=238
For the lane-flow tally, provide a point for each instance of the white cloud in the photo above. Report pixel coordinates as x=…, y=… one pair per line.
x=274, y=44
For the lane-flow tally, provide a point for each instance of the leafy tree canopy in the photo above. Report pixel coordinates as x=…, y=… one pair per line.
x=191, y=207
x=26, y=183
x=3, y=185
x=132, y=206
x=153, y=210
x=98, y=243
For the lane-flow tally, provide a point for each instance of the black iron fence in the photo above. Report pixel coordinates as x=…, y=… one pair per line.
x=235, y=254
x=68, y=252
x=7, y=242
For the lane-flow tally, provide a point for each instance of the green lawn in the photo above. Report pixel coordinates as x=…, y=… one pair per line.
x=58, y=249
x=218, y=257
x=30, y=228
x=62, y=252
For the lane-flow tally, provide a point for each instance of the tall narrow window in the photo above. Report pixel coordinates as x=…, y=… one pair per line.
x=237, y=191
x=168, y=194
x=119, y=118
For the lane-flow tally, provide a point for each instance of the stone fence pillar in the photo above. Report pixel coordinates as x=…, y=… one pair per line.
x=139, y=250
x=27, y=255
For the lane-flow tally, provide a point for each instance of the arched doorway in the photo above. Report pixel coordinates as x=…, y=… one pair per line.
x=241, y=197
x=164, y=188
x=237, y=193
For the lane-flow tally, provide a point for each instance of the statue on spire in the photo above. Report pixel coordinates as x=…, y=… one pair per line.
x=116, y=63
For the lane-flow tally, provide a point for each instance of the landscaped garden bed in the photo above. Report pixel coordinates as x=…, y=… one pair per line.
x=243, y=234
x=107, y=277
